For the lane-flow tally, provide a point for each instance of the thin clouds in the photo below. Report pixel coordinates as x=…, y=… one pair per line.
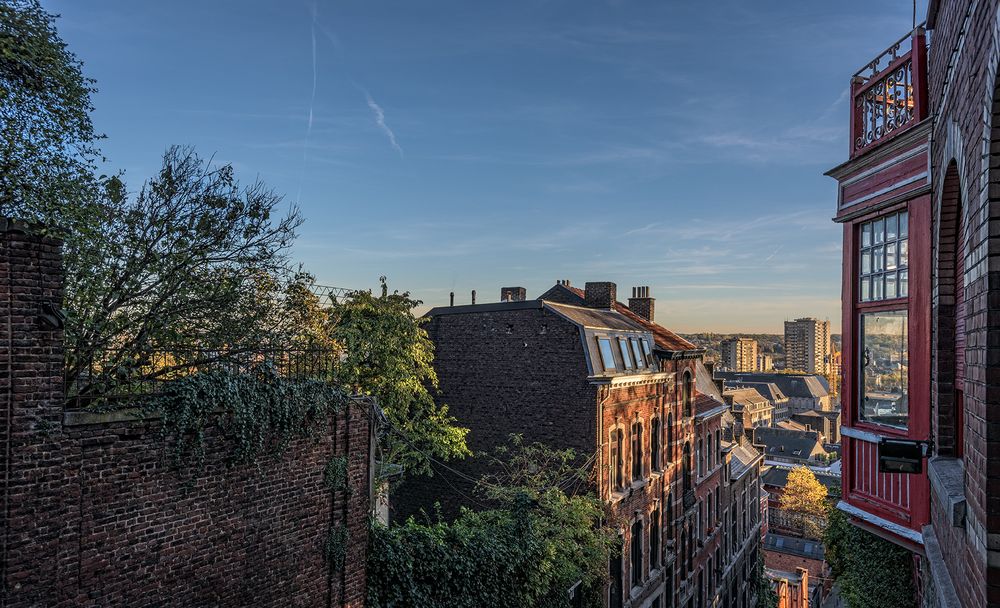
x=380, y=121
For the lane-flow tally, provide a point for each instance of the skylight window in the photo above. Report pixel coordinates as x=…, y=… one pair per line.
x=607, y=355
x=626, y=356
x=637, y=350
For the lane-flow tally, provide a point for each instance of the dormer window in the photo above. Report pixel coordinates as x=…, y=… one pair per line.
x=607, y=354
x=626, y=356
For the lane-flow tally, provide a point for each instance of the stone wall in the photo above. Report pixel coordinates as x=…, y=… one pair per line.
x=95, y=513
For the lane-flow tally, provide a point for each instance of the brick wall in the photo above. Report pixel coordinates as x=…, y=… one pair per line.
x=94, y=515
x=502, y=372
x=962, y=72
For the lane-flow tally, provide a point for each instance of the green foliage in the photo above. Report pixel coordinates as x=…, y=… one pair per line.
x=335, y=474
x=262, y=411
x=528, y=551
x=48, y=144
x=335, y=547
x=872, y=572
x=766, y=596
x=387, y=354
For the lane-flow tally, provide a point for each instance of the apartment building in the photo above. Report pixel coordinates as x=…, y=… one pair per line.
x=575, y=368
x=739, y=355
x=807, y=346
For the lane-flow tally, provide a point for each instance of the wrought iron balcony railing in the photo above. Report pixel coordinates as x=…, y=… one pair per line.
x=889, y=94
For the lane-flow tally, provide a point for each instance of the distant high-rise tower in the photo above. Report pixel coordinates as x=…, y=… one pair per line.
x=807, y=345
x=739, y=355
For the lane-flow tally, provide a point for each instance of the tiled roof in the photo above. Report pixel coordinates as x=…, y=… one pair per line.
x=793, y=385
x=665, y=339
x=744, y=397
x=767, y=390
x=744, y=455
x=789, y=444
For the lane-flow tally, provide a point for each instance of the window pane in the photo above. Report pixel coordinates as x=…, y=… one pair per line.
x=890, y=285
x=890, y=256
x=904, y=253
x=866, y=289
x=878, y=259
x=884, y=365
x=904, y=228
x=637, y=351
x=904, y=286
x=877, y=292
x=866, y=261
x=626, y=357
x=878, y=231
x=866, y=235
x=607, y=355
x=891, y=234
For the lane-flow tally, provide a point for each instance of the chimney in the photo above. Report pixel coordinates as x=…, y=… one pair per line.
x=451, y=299
x=513, y=294
x=473, y=296
x=641, y=303
x=600, y=295
x=563, y=282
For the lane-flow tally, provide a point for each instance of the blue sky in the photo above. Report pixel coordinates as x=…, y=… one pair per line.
x=471, y=145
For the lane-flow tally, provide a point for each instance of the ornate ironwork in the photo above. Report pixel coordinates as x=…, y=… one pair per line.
x=885, y=105
x=886, y=58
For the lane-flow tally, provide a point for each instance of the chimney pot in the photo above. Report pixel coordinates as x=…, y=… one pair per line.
x=600, y=295
x=451, y=299
x=473, y=296
x=640, y=303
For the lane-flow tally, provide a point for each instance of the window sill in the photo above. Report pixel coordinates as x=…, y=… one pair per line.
x=639, y=483
x=947, y=477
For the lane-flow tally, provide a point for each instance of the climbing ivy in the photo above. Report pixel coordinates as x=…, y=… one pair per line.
x=335, y=549
x=871, y=572
x=335, y=474
x=261, y=410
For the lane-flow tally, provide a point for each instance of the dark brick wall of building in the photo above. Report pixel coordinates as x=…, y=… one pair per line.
x=962, y=78
x=95, y=515
x=502, y=372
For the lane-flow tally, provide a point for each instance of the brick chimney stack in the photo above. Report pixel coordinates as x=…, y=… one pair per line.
x=641, y=303
x=600, y=295
x=513, y=294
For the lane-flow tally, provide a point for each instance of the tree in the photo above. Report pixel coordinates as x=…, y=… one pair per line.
x=529, y=550
x=804, y=498
x=48, y=145
x=189, y=271
x=766, y=596
x=871, y=572
x=387, y=354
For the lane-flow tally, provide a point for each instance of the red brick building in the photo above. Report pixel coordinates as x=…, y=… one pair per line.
x=919, y=203
x=578, y=369
x=95, y=514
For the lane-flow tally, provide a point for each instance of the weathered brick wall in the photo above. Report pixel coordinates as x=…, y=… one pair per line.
x=502, y=372
x=962, y=71
x=94, y=513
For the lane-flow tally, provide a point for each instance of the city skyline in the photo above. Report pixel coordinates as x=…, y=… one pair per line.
x=416, y=150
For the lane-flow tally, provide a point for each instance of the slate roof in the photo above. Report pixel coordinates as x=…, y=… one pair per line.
x=789, y=444
x=597, y=318
x=744, y=457
x=665, y=339
x=742, y=398
x=778, y=477
x=803, y=547
x=793, y=385
x=767, y=390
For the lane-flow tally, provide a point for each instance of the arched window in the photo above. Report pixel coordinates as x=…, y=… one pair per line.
x=617, y=460
x=686, y=467
x=637, y=465
x=654, y=539
x=952, y=212
x=700, y=455
x=635, y=564
x=655, y=449
x=686, y=394
x=670, y=437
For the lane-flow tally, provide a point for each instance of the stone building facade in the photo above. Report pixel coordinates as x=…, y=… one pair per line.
x=95, y=514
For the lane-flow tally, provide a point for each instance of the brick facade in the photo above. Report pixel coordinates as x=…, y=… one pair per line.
x=525, y=367
x=94, y=515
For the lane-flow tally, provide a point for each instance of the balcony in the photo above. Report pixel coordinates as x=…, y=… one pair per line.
x=889, y=94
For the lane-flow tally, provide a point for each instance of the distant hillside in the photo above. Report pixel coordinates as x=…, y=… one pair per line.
x=770, y=344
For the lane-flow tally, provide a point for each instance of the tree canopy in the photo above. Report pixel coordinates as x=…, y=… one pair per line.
x=804, y=493
x=871, y=572
x=48, y=146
